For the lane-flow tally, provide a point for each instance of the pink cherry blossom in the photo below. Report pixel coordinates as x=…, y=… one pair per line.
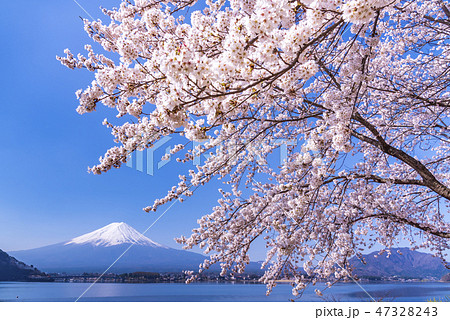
x=361, y=85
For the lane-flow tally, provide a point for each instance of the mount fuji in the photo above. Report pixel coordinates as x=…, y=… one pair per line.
x=97, y=250
x=114, y=234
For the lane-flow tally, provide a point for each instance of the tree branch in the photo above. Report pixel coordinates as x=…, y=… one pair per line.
x=429, y=179
x=394, y=218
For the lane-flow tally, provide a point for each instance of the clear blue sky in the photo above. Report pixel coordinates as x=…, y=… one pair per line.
x=46, y=193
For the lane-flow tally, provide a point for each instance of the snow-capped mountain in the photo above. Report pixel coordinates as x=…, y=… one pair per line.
x=95, y=251
x=114, y=234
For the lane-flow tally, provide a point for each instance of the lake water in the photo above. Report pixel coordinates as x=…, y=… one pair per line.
x=204, y=292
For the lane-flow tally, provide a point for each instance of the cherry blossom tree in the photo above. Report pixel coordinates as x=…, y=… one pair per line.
x=362, y=85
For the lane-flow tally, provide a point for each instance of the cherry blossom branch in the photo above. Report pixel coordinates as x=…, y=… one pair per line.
x=428, y=178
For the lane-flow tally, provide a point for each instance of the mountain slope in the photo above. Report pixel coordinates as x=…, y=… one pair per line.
x=75, y=258
x=114, y=234
x=402, y=262
x=13, y=270
x=97, y=250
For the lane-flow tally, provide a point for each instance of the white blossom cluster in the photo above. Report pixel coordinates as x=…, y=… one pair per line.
x=362, y=85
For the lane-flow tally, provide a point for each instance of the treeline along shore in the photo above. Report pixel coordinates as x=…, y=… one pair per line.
x=180, y=277
x=152, y=277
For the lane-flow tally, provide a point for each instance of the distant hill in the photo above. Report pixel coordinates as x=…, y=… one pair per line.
x=402, y=262
x=97, y=250
x=13, y=270
x=446, y=277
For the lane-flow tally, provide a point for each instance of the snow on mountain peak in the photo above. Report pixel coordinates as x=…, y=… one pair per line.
x=114, y=234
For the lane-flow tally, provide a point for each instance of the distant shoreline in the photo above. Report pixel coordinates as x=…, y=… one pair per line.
x=206, y=277
x=282, y=281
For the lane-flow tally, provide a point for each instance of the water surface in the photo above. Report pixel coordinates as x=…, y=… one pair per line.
x=204, y=292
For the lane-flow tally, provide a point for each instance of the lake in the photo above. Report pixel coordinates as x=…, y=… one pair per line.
x=216, y=292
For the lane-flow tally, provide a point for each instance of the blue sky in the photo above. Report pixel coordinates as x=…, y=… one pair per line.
x=46, y=193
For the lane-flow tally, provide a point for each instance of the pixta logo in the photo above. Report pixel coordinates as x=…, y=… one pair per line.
x=151, y=163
